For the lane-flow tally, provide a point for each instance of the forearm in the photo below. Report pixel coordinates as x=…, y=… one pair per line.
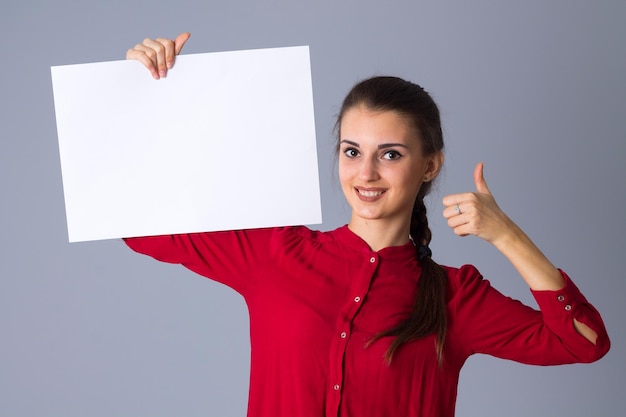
x=535, y=268
x=478, y=214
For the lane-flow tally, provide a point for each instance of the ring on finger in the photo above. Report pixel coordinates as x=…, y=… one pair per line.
x=458, y=209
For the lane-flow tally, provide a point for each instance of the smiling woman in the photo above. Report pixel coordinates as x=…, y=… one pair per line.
x=360, y=321
x=386, y=168
x=382, y=162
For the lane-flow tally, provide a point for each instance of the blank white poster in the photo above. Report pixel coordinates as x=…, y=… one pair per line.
x=226, y=141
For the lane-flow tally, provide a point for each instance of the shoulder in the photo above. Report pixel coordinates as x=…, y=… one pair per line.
x=292, y=237
x=458, y=276
x=295, y=233
x=464, y=281
x=279, y=240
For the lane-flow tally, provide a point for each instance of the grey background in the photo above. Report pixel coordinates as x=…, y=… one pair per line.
x=535, y=89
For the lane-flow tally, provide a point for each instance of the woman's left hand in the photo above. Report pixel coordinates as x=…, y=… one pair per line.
x=477, y=213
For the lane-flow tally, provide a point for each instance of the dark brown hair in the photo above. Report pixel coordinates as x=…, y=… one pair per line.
x=411, y=101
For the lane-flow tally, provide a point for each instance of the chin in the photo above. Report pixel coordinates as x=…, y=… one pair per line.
x=368, y=214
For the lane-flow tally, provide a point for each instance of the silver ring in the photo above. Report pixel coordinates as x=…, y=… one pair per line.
x=458, y=209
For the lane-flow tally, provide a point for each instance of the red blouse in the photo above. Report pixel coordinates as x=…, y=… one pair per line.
x=316, y=298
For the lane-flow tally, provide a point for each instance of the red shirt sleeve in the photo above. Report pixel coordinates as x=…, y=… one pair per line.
x=498, y=325
x=560, y=307
x=234, y=258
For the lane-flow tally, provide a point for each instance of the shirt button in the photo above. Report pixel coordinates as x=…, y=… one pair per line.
x=372, y=259
x=568, y=307
x=560, y=298
x=343, y=335
x=336, y=387
x=357, y=299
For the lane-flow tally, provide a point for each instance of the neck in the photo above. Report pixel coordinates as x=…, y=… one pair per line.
x=380, y=234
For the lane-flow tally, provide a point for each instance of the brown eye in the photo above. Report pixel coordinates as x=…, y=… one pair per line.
x=351, y=152
x=391, y=155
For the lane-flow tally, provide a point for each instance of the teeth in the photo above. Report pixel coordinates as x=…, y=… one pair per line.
x=370, y=193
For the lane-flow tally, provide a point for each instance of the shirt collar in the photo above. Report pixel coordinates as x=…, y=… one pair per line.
x=347, y=237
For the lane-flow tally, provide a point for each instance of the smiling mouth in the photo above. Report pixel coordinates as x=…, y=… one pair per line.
x=370, y=195
x=366, y=193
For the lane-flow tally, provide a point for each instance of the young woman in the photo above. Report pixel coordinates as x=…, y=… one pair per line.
x=360, y=321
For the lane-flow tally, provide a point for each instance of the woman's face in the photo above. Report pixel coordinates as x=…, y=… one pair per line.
x=381, y=165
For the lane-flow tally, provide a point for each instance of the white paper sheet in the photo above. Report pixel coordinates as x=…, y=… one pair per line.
x=226, y=141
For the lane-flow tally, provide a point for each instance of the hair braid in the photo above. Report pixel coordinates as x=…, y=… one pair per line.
x=420, y=232
x=428, y=315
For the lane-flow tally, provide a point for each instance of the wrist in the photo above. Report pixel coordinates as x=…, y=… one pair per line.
x=509, y=237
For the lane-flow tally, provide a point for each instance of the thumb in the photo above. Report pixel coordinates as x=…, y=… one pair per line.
x=179, y=42
x=479, y=179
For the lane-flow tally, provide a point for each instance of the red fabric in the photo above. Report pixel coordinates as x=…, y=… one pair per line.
x=316, y=298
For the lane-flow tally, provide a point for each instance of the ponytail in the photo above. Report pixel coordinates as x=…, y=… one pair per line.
x=428, y=315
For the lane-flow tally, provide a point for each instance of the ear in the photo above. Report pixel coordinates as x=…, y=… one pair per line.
x=433, y=165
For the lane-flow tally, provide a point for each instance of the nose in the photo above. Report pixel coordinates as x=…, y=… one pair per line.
x=368, y=170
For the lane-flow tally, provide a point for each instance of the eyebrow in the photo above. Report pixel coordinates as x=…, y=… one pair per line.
x=382, y=146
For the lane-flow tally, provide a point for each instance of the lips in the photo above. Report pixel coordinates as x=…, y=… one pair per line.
x=369, y=194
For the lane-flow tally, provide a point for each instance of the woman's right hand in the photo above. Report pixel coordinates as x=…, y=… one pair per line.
x=158, y=55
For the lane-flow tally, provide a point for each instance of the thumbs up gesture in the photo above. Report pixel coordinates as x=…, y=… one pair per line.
x=476, y=213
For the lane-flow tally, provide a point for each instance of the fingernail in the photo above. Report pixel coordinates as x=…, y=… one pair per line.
x=170, y=64
x=162, y=73
x=155, y=75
